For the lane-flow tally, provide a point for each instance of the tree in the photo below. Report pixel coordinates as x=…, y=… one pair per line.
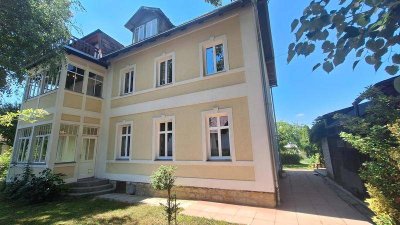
x=32, y=31
x=214, y=2
x=8, y=132
x=368, y=28
x=377, y=134
x=164, y=179
x=297, y=135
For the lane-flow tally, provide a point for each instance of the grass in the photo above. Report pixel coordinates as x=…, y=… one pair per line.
x=304, y=164
x=89, y=211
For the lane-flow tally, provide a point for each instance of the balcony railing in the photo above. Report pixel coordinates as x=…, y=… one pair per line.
x=85, y=47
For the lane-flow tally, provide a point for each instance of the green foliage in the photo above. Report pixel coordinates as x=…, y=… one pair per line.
x=368, y=28
x=164, y=179
x=8, y=132
x=214, y=2
x=290, y=158
x=26, y=115
x=47, y=186
x=5, y=159
x=32, y=30
x=377, y=134
x=297, y=136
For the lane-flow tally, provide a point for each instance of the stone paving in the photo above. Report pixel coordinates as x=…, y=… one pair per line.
x=305, y=200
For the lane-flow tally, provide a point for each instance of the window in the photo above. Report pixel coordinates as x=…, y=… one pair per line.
x=218, y=132
x=95, y=85
x=124, y=141
x=51, y=80
x=89, y=143
x=164, y=137
x=214, y=56
x=40, y=143
x=128, y=81
x=164, y=69
x=34, y=86
x=74, y=81
x=42, y=83
x=67, y=143
x=145, y=30
x=22, y=145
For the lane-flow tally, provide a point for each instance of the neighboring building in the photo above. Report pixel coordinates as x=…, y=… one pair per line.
x=197, y=96
x=342, y=161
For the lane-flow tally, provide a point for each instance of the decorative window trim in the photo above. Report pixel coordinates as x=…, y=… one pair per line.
x=156, y=137
x=205, y=135
x=127, y=69
x=209, y=43
x=163, y=58
x=118, y=136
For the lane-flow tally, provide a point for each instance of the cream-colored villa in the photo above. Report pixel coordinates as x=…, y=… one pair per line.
x=196, y=96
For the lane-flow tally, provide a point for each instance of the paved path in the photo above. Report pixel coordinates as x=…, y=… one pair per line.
x=305, y=198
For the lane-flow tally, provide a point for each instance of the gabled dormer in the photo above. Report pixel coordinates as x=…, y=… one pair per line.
x=147, y=22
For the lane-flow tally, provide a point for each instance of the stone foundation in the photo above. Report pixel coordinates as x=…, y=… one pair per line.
x=251, y=198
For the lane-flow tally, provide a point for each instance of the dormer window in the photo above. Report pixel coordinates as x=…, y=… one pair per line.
x=145, y=30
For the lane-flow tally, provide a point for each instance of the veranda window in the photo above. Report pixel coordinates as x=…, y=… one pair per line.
x=74, y=81
x=40, y=143
x=95, y=85
x=67, y=143
x=22, y=145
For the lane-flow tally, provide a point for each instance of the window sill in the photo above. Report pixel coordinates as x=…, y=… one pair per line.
x=122, y=159
x=164, y=85
x=219, y=160
x=163, y=159
x=61, y=163
x=216, y=73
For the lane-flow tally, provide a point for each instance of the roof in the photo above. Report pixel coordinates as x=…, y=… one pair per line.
x=83, y=55
x=106, y=36
x=199, y=20
x=143, y=11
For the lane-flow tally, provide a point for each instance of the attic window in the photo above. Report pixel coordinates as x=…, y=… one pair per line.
x=145, y=30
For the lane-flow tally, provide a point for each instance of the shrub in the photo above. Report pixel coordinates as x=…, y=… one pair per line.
x=164, y=179
x=5, y=160
x=47, y=186
x=290, y=158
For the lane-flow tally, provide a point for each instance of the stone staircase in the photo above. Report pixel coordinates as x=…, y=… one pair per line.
x=90, y=187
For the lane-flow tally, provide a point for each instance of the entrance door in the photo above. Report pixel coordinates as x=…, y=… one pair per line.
x=88, y=155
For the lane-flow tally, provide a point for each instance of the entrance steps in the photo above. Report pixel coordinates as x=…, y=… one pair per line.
x=90, y=187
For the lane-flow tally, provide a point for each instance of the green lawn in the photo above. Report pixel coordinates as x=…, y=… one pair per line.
x=88, y=211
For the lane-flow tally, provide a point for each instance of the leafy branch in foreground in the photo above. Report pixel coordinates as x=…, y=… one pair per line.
x=369, y=28
x=26, y=115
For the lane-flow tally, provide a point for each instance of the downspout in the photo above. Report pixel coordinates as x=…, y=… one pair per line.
x=266, y=94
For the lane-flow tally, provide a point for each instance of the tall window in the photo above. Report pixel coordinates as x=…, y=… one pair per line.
x=128, y=81
x=22, y=145
x=89, y=143
x=218, y=136
x=67, y=143
x=145, y=30
x=214, y=59
x=74, y=80
x=165, y=70
x=95, y=85
x=40, y=143
x=34, y=86
x=124, y=141
x=43, y=82
x=164, y=137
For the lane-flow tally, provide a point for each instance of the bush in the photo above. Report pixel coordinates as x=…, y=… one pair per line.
x=5, y=160
x=164, y=179
x=290, y=158
x=34, y=189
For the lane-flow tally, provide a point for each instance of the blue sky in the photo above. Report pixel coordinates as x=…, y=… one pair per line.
x=301, y=96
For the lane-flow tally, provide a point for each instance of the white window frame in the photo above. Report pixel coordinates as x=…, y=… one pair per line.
x=85, y=72
x=143, y=27
x=212, y=42
x=96, y=81
x=36, y=137
x=68, y=135
x=206, y=135
x=157, y=61
x=118, y=138
x=129, y=69
x=23, y=139
x=156, y=137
